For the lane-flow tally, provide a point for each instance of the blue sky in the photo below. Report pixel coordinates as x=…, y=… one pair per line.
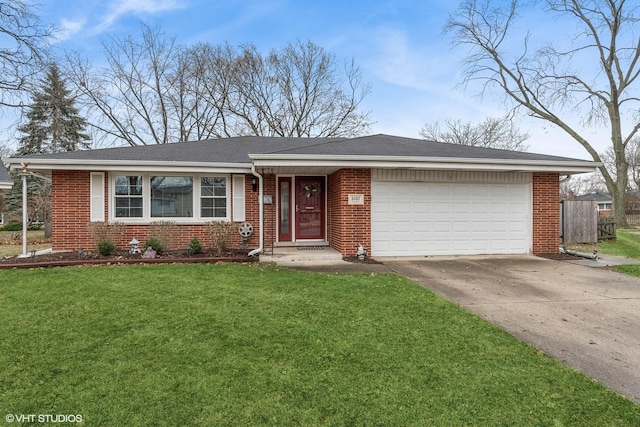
x=412, y=67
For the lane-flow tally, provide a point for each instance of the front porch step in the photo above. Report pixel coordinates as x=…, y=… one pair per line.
x=284, y=255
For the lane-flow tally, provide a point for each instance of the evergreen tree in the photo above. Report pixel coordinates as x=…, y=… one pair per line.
x=53, y=123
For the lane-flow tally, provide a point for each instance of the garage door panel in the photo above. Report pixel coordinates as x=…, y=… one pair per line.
x=422, y=208
x=454, y=219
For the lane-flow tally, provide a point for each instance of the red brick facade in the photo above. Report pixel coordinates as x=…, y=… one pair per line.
x=70, y=214
x=546, y=213
x=70, y=210
x=347, y=224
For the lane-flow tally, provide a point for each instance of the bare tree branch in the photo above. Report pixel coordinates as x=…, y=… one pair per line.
x=23, y=51
x=548, y=85
x=154, y=91
x=492, y=132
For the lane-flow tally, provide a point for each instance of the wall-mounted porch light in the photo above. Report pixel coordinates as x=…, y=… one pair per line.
x=254, y=184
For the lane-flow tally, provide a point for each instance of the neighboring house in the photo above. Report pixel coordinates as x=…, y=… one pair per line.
x=605, y=203
x=395, y=196
x=5, y=184
x=5, y=179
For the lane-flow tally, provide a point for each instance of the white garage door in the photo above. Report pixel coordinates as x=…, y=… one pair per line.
x=434, y=218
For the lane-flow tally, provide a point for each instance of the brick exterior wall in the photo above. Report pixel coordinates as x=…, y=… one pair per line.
x=70, y=213
x=349, y=225
x=270, y=229
x=546, y=213
x=70, y=210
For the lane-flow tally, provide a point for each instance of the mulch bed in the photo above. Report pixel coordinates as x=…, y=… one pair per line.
x=355, y=260
x=61, y=259
x=560, y=256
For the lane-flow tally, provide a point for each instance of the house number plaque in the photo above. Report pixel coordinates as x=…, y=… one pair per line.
x=356, y=199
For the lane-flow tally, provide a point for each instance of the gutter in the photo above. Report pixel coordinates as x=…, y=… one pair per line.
x=419, y=163
x=261, y=212
x=126, y=165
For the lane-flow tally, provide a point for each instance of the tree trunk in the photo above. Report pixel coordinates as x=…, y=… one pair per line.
x=620, y=187
x=619, y=211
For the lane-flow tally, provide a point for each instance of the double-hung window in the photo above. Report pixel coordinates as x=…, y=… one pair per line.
x=213, y=197
x=128, y=196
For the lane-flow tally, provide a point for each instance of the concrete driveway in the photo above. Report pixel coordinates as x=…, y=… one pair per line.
x=589, y=318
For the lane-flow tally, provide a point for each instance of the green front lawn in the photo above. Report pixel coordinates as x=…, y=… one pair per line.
x=627, y=244
x=261, y=345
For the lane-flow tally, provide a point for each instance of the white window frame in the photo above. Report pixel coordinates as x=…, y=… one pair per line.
x=213, y=197
x=146, y=198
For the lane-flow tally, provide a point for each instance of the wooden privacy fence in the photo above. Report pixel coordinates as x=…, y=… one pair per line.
x=579, y=221
x=606, y=228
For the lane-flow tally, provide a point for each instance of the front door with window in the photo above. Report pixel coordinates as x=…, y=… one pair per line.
x=309, y=207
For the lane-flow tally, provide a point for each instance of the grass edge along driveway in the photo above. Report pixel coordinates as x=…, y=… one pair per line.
x=263, y=345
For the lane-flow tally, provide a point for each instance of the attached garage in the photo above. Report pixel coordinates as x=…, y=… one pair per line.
x=416, y=213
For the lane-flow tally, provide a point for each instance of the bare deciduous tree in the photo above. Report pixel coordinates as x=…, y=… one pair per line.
x=493, y=132
x=154, y=91
x=582, y=184
x=23, y=51
x=130, y=98
x=593, y=74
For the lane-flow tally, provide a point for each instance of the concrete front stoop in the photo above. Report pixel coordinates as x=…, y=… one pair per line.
x=303, y=255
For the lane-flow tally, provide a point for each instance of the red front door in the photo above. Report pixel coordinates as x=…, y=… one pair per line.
x=309, y=207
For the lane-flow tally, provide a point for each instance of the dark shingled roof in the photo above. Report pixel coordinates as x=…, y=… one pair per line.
x=394, y=146
x=596, y=196
x=237, y=149
x=224, y=150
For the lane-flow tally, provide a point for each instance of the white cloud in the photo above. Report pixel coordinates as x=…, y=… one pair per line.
x=67, y=29
x=424, y=66
x=121, y=8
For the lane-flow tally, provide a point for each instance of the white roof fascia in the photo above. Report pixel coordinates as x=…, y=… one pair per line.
x=384, y=162
x=128, y=165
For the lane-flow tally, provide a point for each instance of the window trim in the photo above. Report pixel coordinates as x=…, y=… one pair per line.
x=146, y=198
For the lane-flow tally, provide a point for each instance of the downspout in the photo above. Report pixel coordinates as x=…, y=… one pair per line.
x=261, y=212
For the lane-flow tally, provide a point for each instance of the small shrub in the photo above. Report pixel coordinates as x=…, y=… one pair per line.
x=13, y=226
x=163, y=231
x=194, y=247
x=155, y=243
x=106, y=247
x=219, y=233
x=100, y=231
